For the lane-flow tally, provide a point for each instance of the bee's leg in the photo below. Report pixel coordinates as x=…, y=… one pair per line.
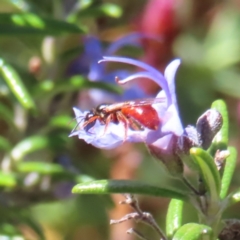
x=89, y=124
x=135, y=125
x=122, y=118
x=107, y=121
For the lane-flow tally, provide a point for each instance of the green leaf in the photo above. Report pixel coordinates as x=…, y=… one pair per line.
x=57, y=171
x=40, y=167
x=220, y=141
x=4, y=144
x=10, y=232
x=62, y=121
x=29, y=145
x=229, y=168
x=83, y=4
x=222, y=48
x=231, y=86
x=233, y=198
x=7, y=237
x=83, y=178
x=29, y=23
x=22, y=5
x=193, y=231
x=7, y=180
x=106, y=9
x=7, y=115
x=75, y=83
x=208, y=171
x=16, y=85
x=174, y=217
x=111, y=10
x=126, y=186
x=79, y=6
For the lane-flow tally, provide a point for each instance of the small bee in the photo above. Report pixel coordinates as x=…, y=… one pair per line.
x=136, y=115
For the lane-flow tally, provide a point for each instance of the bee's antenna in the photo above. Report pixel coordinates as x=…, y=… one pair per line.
x=82, y=118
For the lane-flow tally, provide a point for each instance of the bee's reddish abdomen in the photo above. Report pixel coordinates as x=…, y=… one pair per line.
x=146, y=115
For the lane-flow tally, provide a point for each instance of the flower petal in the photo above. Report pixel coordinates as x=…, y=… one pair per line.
x=159, y=78
x=169, y=74
x=132, y=39
x=107, y=137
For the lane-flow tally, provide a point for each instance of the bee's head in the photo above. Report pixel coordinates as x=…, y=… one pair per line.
x=100, y=110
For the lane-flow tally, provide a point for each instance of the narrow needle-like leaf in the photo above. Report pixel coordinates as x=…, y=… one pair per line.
x=16, y=85
x=126, y=186
x=228, y=171
x=174, y=217
x=208, y=171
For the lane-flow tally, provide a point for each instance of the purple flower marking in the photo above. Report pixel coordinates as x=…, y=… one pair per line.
x=170, y=123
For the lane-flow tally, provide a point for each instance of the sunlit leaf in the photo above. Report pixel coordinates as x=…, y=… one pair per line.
x=40, y=167
x=62, y=121
x=16, y=85
x=29, y=145
x=125, y=186
x=193, y=231
x=111, y=10
x=29, y=23
x=7, y=180
x=106, y=9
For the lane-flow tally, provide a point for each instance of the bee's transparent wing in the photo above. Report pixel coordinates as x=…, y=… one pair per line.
x=139, y=102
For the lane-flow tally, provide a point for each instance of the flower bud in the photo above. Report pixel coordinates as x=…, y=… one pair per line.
x=207, y=127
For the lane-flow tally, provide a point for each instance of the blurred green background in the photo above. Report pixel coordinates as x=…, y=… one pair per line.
x=41, y=80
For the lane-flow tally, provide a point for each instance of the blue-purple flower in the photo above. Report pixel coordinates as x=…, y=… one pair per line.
x=170, y=124
x=87, y=64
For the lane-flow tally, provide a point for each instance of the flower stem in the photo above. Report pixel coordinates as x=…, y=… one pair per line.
x=190, y=186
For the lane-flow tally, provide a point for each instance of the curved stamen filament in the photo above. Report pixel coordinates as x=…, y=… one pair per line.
x=143, y=75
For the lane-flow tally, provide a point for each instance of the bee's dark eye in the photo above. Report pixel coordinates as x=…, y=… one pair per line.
x=101, y=107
